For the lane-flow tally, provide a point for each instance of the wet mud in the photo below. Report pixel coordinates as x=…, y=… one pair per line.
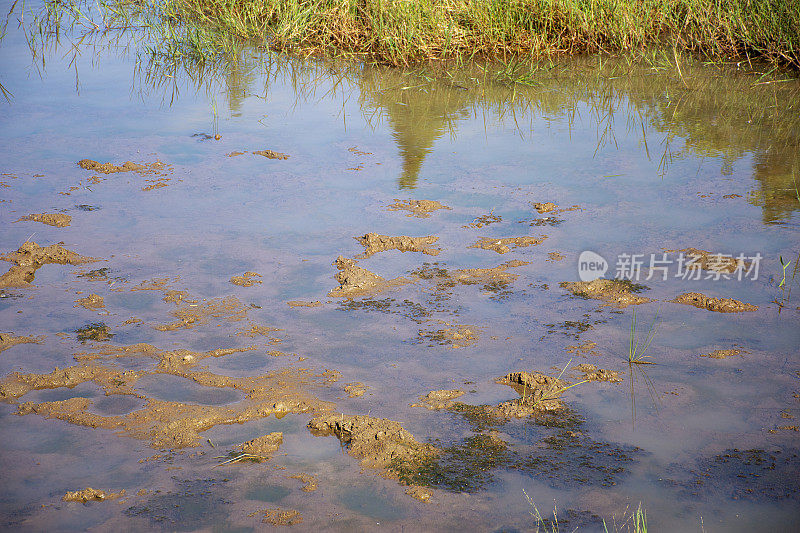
x=229, y=309
x=93, y=302
x=724, y=354
x=619, y=293
x=301, y=303
x=248, y=279
x=538, y=392
x=109, y=168
x=483, y=220
x=584, y=349
x=278, y=517
x=374, y=243
x=592, y=373
x=309, y=481
x=417, y=208
x=7, y=340
x=719, y=305
x=455, y=336
x=377, y=442
x=263, y=446
x=505, y=244
x=545, y=207
x=439, y=399
x=355, y=281
x=701, y=259
x=91, y=495
x=355, y=390
x=555, y=256
x=59, y=220
x=30, y=257
x=269, y=154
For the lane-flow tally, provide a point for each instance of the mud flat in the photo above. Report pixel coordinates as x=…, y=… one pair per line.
x=719, y=305
x=619, y=293
x=30, y=257
x=504, y=245
x=374, y=243
x=356, y=281
x=59, y=220
x=417, y=208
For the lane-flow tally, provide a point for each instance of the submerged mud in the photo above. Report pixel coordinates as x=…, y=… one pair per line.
x=719, y=305
x=455, y=336
x=248, y=279
x=545, y=207
x=263, y=446
x=59, y=220
x=701, y=259
x=374, y=243
x=439, y=399
x=483, y=220
x=93, y=301
x=724, y=354
x=301, y=303
x=504, y=245
x=91, y=495
x=30, y=257
x=417, y=208
x=592, y=373
x=309, y=481
x=278, y=517
x=228, y=308
x=619, y=293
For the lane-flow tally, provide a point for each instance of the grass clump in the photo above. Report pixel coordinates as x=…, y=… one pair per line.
x=402, y=31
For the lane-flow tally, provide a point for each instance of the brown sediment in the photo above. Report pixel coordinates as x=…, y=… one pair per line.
x=168, y=424
x=374, y=243
x=470, y=276
x=422, y=494
x=456, y=336
x=157, y=183
x=7, y=340
x=256, y=331
x=263, y=446
x=355, y=389
x=246, y=280
x=30, y=256
x=417, y=208
x=720, y=305
x=59, y=220
x=538, y=392
x=619, y=293
x=592, y=373
x=91, y=495
x=234, y=154
x=483, y=220
x=711, y=261
x=555, y=256
x=278, y=517
x=93, y=301
x=357, y=281
x=545, y=207
x=109, y=168
x=269, y=154
x=155, y=284
x=731, y=196
x=229, y=308
x=132, y=320
x=722, y=354
x=502, y=246
x=300, y=303
x=377, y=442
x=310, y=482
x=176, y=297
x=438, y=399
x=587, y=348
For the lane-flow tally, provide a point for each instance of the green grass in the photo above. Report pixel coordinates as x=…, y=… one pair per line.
x=637, y=347
x=635, y=522
x=400, y=32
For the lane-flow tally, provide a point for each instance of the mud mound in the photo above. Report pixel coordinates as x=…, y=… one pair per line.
x=711, y=261
x=619, y=293
x=545, y=207
x=269, y=154
x=93, y=301
x=356, y=281
x=355, y=390
x=7, y=340
x=374, y=243
x=59, y=220
x=456, y=336
x=30, y=256
x=720, y=305
x=417, y=208
x=592, y=373
x=538, y=392
x=378, y=442
x=439, y=399
x=264, y=446
x=504, y=245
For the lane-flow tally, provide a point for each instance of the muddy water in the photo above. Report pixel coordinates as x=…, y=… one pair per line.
x=635, y=161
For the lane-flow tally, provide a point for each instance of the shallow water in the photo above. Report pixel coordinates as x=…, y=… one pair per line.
x=648, y=155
